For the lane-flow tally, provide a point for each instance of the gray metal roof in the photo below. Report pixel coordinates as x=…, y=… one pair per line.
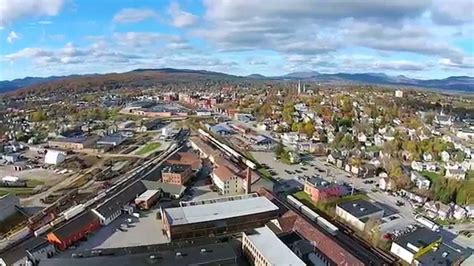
x=219, y=210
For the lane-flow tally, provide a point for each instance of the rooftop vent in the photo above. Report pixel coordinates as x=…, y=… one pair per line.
x=179, y=254
x=203, y=250
x=354, y=205
x=362, y=209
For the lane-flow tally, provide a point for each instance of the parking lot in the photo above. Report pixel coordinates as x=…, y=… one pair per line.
x=396, y=217
x=145, y=230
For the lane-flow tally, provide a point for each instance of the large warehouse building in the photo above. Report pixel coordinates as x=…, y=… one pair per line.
x=217, y=216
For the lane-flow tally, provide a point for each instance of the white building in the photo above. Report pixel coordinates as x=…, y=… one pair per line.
x=420, y=181
x=358, y=212
x=226, y=181
x=54, y=157
x=399, y=94
x=263, y=248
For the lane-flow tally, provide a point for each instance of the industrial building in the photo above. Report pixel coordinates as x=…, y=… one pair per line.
x=146, y=200
x=8, y=205
x=411, y=246
x=217, y=216
x=75, y=230
x=203, y=254
x=177, y=174
x=74, y=143
x=358, y=212
x=262, y=247
x=114, y=207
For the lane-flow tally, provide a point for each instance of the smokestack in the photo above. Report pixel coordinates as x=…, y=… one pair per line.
x=249, y=181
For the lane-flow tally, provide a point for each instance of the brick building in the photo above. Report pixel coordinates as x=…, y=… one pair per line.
x=320, y=189
x=178, y=174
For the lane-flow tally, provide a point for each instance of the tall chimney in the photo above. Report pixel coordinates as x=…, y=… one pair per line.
x=249, y=181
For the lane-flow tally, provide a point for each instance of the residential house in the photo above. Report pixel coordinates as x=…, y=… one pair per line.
x=420, y=181
x=444, y=156
x=427, y=157
x=367, y=170
x=455, y=173
x=386, y=184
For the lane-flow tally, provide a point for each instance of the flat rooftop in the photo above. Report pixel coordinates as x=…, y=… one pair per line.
x=419, y=238
x=212, y=211
x=359, y=208
x=443, y=256
x=272, y=248
x=319, y=182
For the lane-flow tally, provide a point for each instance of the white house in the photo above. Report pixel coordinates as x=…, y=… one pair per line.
x=427, y=157
x=54, y=157
x=444, y=156
x=399, y=94
x=385, y=183
x=420, y=181
x=456, y=173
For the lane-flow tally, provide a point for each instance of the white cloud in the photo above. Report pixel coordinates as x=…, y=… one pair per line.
x=180, y=18
x=133, y=15
x=453, y=11
x=12, y=10
x=12, y=37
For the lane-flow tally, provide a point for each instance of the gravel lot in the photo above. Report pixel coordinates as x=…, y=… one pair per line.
x=45, y=175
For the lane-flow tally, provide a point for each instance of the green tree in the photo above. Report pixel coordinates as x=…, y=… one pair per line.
x=308, y=129
x=38, y=116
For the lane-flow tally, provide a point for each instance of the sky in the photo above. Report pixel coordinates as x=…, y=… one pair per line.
x=427, y=39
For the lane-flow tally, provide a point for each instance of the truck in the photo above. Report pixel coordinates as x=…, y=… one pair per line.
x=427, y=223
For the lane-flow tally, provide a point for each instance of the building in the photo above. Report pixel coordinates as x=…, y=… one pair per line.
x=399, y=94
x=413, y=245
x=262, y=247
x=167, y=190
x=189, y=158
x=8, y=206
x=147, y=199
x=190, y=254
x=358, y=212
x=114, y=207
x=73, y=231
x=217, y=216
x=178, y=174
x=386, y=183
x=40, y=249
x=420, y=181
x=75, y=143
x=112, y=140
x=320, y=189
x=226, y=180
x=455, y=173
x=54, y=157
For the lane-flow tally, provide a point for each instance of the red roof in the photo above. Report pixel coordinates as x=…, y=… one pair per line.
x=223, y=173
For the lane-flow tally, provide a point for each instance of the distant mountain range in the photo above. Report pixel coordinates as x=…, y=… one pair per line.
x=147, y=77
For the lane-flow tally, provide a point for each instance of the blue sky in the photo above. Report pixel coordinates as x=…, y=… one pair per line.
x=417, y=38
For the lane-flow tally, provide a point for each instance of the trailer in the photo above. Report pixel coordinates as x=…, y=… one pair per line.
x=427, y=223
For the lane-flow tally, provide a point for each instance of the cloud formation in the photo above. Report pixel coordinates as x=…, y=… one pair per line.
x=134, y=15
x=12, y=10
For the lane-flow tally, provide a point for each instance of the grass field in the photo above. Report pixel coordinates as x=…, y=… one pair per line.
x=432, y=176
x=149, y=147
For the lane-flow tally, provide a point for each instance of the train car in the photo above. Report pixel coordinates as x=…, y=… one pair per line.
x=72, y=212
x=294, y=202
x=329, y=227
x=57, y=221
x=42, y=230
x=309, y=213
